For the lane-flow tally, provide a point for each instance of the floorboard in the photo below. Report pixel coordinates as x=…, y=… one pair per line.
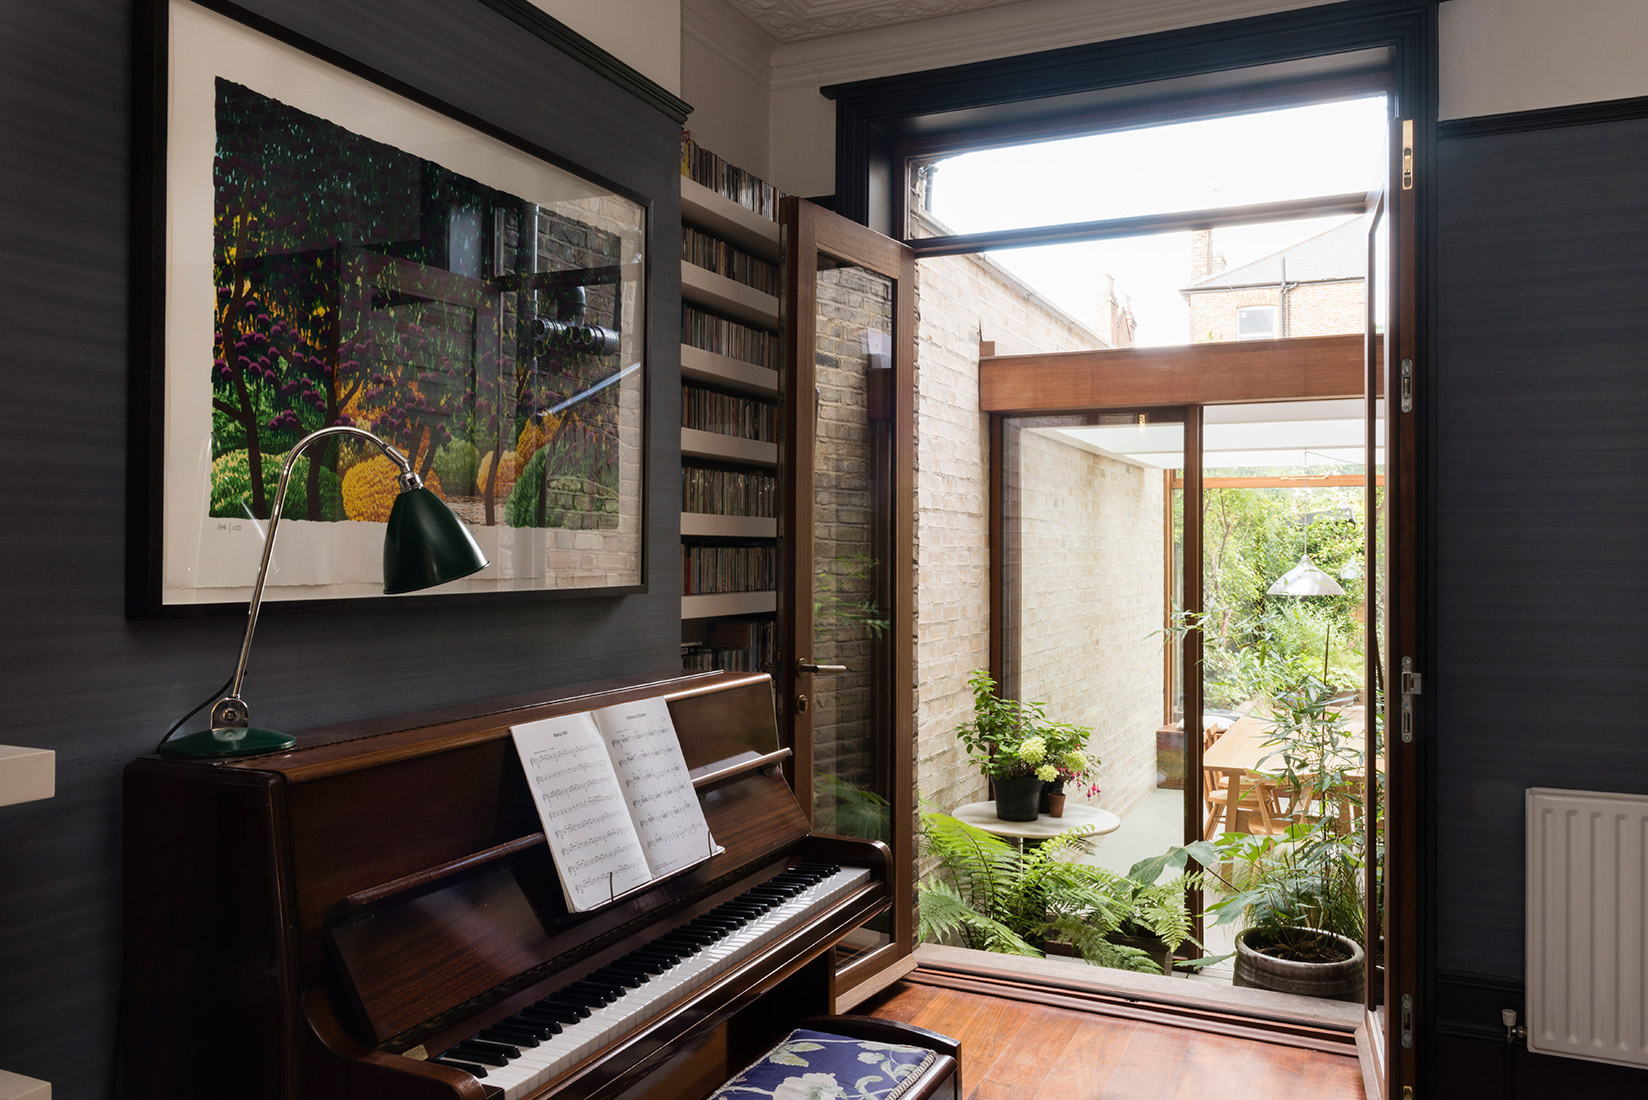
x=1014, y=1050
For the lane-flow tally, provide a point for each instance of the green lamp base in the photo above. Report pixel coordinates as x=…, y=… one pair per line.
x=205, y=744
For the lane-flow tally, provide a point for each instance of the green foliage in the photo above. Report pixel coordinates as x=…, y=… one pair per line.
x=846, y=810
x=232, y=487
x=1308, y=878
x=455, y=465
x=990, y=896
x=568, y=500
x=1010, y=739
x=838, y=595
x=1251, y=537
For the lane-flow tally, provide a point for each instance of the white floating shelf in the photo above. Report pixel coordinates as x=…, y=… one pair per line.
x=704, y=524
x=726, y=448
x=14, y=1086
x=26, y=775
x=737, y=225
x=728, y=603
x=727, y=297
x=699, y=365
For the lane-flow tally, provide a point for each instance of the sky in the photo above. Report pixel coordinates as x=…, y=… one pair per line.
x=1323, y=149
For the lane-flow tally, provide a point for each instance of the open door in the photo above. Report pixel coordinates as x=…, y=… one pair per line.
x=1393, y=678
x=847, y=596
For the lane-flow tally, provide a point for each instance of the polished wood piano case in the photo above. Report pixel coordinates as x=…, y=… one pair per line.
x=296, y=921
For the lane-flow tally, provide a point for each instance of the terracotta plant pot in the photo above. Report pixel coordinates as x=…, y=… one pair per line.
x=1338, y=981
x=1016, y=799
x=1055, y=805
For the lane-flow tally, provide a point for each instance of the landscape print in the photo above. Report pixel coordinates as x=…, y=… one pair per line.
x=478, y=332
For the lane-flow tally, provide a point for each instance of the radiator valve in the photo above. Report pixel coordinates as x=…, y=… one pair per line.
x=1514, y=1032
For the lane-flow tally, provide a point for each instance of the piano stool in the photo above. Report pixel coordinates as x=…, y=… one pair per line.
x=863, y=1055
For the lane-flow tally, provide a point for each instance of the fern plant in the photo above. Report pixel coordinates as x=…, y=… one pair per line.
x=990, y=896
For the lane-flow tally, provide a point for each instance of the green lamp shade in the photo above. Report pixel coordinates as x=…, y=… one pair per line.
x=426, y=545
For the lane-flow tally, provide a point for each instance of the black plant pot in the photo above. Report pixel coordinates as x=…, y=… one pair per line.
x=1048, y=790
x=1016, y=799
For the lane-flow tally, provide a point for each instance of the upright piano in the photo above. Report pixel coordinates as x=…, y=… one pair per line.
x=375, y=914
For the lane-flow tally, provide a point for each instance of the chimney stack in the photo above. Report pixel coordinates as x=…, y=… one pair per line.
x=1203, y=260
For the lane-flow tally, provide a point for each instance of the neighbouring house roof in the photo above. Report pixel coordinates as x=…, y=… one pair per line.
x=1339, y=253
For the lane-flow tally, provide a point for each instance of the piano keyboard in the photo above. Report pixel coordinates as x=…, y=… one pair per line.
x=522, y=1052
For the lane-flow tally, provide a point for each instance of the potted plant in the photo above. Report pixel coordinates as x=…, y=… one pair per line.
x=988, y=895
x=1019, y=748
x=1300, y=893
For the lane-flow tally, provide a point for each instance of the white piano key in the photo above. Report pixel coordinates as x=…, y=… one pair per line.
x=607, y=1024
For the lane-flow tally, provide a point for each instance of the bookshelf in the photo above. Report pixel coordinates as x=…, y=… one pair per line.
x=731, y=387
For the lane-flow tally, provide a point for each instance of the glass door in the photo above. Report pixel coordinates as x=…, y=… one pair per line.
x=848, y=466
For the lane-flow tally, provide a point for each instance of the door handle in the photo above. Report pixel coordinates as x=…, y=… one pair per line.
x=805, y=667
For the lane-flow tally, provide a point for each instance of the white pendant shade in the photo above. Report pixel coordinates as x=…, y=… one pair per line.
x=1305, y=579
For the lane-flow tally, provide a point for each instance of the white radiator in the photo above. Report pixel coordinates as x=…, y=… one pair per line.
x=1588, y=925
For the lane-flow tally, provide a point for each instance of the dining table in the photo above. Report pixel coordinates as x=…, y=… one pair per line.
x=1247, y=757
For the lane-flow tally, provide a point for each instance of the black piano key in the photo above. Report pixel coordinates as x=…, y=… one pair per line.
x=559, y=1001
x=602, y=993
x=639, y=967
x=471, y=1052
x=611, y=974
x=546, y=1011
x=473, y=1068
x=501, y=1033
x=539, y=1029
x=545, y=1024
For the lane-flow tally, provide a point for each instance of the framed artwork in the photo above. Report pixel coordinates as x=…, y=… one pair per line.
x=331, y=251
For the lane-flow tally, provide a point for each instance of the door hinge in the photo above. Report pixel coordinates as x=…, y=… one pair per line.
x=1407, y=1021
x=1407, y=154
x=1407, y=385
x=1413, y=684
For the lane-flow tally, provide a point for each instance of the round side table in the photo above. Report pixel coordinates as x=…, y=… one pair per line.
x=1086, y=820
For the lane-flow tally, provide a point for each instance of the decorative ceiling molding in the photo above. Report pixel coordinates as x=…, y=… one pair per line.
x=985, y=34
x=795, y=20
x=754, y=60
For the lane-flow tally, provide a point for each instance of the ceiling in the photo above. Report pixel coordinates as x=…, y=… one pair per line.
x=794, y=20
x=1311, y=436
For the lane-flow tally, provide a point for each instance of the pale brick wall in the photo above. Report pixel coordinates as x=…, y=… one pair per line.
x=1327, y=309
x=957, y=298
x=1091, y=567
x=1313, y=309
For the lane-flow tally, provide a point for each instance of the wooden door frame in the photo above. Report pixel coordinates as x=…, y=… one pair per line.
x=808, y=232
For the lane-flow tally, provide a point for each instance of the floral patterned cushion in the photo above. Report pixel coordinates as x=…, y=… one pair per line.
x=815, y=1065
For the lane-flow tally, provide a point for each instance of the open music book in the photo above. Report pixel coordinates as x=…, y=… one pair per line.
x=617, y=805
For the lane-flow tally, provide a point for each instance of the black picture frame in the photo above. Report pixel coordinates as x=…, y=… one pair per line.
x=154, y=293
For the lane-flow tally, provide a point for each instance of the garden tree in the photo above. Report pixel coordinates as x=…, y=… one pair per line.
x=288, y=190
x=1250, y=537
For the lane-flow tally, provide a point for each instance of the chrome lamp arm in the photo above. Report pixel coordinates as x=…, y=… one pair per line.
x=231, y=713
x=424, y=545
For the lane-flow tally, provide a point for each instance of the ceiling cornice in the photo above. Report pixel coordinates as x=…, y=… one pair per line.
x=797, y=20
x=985, y=34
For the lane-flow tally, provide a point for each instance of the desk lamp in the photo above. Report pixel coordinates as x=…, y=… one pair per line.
x=424, y=545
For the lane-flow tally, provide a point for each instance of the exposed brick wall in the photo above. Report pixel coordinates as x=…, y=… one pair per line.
x=850, y=302
x=1089, y=613
x=1313, y=309
x=957, y=298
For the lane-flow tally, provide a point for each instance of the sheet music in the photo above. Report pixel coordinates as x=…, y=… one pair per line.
x=646, y=754
x=596, y=850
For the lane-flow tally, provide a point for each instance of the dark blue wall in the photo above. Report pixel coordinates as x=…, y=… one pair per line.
x=1541, y=477
x=75, y=675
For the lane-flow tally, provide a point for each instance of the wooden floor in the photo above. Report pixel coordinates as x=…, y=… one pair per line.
x=1022, y=1051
